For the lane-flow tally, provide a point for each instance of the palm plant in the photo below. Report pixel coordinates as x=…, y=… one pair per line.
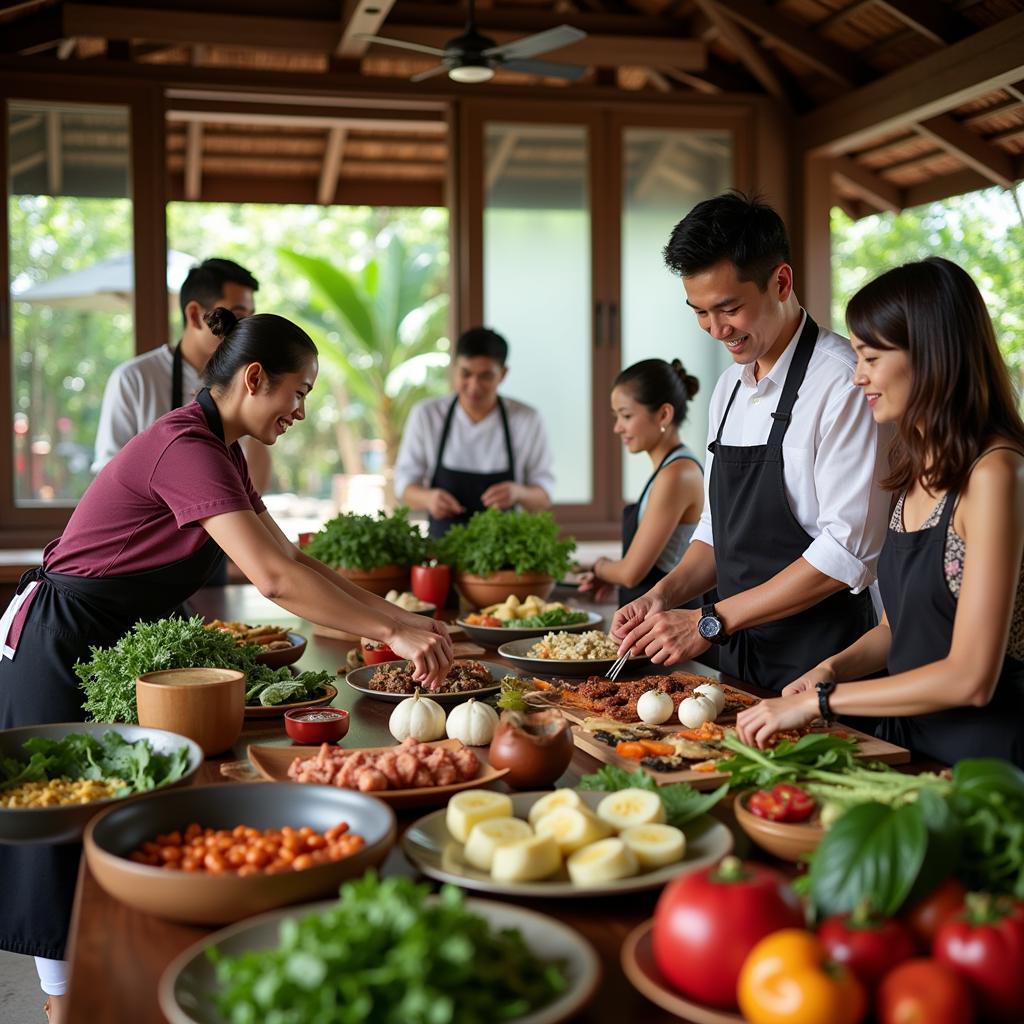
x=382, y=329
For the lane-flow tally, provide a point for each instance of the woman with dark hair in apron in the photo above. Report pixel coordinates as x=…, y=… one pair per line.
x=144, y=537
x=649, y=400
x=951, y=573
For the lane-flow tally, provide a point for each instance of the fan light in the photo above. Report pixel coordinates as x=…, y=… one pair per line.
x=470, y=73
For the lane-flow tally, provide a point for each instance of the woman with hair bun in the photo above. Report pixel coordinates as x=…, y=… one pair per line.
x=144, y=538
x=951, y=571
x=649, y=401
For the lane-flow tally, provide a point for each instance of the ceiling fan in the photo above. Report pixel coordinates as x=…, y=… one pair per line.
x=473, y=57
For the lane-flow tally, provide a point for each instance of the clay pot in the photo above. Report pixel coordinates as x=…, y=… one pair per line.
x=535, y=748
x=205, y=704
x=378, y=580
x=481, y=591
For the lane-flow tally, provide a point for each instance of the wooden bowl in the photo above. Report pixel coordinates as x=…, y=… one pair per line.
x=202, y=898
x=284, y=655
x=205, y=704
x=378, y=580
x=481, y=591
x=786, y=840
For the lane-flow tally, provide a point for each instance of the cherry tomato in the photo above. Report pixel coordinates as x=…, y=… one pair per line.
x=924, y=992
x=784, y=802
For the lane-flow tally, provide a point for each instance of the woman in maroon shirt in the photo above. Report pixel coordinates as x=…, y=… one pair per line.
x=145, y=537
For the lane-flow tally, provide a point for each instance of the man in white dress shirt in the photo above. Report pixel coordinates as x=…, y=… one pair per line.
x=793, y=519
x=474, y=450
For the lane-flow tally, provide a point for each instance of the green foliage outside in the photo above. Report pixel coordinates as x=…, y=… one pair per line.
x=982, y=231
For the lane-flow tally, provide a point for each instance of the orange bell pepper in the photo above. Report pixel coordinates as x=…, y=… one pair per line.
x=788, y=979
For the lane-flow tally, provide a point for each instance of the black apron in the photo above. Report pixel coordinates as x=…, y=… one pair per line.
x=219, y=576
x=756, y=536
x=631, y=522
x=921, y=610
x=466, y=487
x=67, y=616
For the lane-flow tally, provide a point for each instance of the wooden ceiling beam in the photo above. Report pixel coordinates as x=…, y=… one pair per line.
x=936, y=189
x=39, y=31
x=54, y=153
x=970, y=148
x=328, y=184
x=359, y=18
x=868, y=186
x=523, y=20
x=982, y=63
x=934, y=21
x=194, y=161
x=827, y=58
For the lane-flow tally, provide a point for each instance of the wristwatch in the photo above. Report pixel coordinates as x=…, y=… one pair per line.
x=710, y=626
x=825, y=689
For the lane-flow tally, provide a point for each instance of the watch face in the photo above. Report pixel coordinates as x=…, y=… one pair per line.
x=709, y=627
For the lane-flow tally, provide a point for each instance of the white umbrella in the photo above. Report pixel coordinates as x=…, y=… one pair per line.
x=106, y=286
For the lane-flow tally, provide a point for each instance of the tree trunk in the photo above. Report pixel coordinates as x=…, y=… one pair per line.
x=348, y=443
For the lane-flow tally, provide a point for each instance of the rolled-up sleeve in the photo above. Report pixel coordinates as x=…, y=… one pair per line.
x=537, y=465
x=852, y=508
x=412, y=466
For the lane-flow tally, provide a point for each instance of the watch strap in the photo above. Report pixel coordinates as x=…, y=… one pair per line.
x=825, y=689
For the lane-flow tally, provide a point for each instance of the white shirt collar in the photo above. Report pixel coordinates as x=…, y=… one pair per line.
x=777, y=374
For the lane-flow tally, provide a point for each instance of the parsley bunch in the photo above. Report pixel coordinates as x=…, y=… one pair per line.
x=365, y=542
x=494, y=540
x=682, y=802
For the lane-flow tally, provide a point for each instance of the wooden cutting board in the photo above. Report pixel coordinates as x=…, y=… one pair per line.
x=869, y=749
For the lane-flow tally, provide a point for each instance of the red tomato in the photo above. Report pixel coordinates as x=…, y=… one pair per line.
x=707, y=921
x=925, y=918
x=985, y=944
x=924, y=992
x=784, y=802
x=430, y=583
x=870, y=947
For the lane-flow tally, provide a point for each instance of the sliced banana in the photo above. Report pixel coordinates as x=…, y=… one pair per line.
x=472, y=806
x=486, y=836
x=552, y=801
x=603, y=861
x=526, y=860
x=629, y=807
x=654, y=846
x=572, y=828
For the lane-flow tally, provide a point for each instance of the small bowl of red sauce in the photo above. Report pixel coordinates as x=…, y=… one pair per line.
x=375, y=653
x=316, y=725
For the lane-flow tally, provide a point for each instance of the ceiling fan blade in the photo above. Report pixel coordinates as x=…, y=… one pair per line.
x=401, y=44
x=546, y=68
x=541, y=42
x=422, y=76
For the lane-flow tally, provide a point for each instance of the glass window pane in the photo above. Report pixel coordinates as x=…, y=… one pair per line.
x=71, y=285
x=537, y=283
x=666, y=172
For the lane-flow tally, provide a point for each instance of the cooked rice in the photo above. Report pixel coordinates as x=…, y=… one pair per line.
x=591, y=646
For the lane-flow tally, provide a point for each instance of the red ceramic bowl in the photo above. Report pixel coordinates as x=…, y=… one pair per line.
x=377, y=654
x=316, y=725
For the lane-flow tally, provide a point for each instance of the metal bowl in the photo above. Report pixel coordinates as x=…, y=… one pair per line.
x=202, y=898
x=495, y=636
x=65, y=824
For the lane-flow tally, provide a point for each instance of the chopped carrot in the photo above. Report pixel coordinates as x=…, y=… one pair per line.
x=656, y=749
x=634, y=751
x=707, y=731
x=704, y=766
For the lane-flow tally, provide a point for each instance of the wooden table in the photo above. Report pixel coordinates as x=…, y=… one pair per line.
x=117, y=954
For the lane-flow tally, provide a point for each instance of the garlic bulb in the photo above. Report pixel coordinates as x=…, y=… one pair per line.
x=695, y=711
x=714, y=693
x=419, y=717
x=473, y=723
x=654, y=707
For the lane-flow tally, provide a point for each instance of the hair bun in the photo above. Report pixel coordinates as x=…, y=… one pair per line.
x=221, y=321
x=690, y=383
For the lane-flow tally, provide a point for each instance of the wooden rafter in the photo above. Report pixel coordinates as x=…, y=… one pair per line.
x=194, y=161
x=40, y=30
x=499, y=160
x=752, y=58
x=328, y=184
x=866, y=185
x=970, y=148
x=934, y=21
x=359, y=18
x=54, y=153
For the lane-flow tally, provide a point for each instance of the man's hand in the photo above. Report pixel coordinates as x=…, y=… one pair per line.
x=443, y=505
x=503, y=495
x=668, y=637
x=809, y=681
x=630, y=616
x=758, y=724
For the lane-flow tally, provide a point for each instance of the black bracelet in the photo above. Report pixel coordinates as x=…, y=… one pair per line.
x=825, y=689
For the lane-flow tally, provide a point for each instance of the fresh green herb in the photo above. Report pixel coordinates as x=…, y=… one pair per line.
x=109, y=756
x=525, y=542
x=548, y=620
x=364, y=542
x=108, y=678
x=513, y=691
x=283, y=688
x=682, y=802
x=388, y=954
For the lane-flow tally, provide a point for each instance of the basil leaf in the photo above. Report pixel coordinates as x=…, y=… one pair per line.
x=682, y=802
x=872, y=854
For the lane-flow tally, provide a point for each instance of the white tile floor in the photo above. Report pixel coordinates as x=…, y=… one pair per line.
x=21, y=999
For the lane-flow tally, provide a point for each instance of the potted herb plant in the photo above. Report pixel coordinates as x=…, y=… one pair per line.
x=373, y=551
x=499, y=553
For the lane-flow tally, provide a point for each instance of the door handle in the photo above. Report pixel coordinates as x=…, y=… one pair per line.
x=613, y=324
x=599, y=324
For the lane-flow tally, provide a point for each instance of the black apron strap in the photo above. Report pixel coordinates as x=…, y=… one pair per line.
x=177, y=385
x=445, y=431
x=211, y=412
x=794, y=378
x=508, y=440
x=725, y=416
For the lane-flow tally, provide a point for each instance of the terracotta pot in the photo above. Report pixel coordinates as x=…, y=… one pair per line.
x=535, y=748
x=205, y=704
x=481, y=591
x=378, y=580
